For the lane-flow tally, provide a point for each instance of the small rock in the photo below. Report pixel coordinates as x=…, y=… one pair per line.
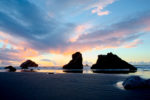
x=28, y=63
x=11, y=68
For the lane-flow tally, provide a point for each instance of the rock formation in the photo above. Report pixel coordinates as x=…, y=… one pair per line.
x=111, y=61
x=28, y=63
x=75, y=63
x=135, y=82
x=10, y=68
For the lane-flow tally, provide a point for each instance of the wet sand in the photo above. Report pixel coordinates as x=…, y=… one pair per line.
x=42, y=86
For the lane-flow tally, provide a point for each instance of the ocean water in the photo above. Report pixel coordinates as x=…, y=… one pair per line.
x=143, y=70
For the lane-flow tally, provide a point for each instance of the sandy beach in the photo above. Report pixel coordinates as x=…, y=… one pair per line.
x=43, y=86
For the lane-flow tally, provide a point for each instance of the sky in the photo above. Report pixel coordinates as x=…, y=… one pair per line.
x=50, y=31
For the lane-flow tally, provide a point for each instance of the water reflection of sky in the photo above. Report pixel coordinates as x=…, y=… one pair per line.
x=144, y=74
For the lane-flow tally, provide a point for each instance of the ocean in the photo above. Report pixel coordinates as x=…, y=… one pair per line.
x=142, y=70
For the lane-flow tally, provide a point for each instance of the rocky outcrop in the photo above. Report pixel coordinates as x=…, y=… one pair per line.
x=28, y=63
x=111, y=61
x=75, y=63
x=135, y=82
x=10, y=68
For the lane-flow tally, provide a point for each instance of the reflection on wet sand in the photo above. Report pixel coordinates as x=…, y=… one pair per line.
x=73, y=70
x=27, y=70
x=112, y=71
x=51, y=71
x=143, y=74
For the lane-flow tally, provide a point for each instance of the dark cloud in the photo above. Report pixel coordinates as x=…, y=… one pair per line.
x=25, y=20
x=22, y=18
x=8, y=55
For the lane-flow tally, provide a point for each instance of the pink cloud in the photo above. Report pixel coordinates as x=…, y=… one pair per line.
x=122, y=34
x=94, y=6
x=99, y=6
x=133, y=44
x=79, y=30
x=99, y=12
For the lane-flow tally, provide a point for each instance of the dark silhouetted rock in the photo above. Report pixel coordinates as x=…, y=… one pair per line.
x=10, y=68
x=75, y=63
x=111, y=61
x=28, y=63
x=136, y=82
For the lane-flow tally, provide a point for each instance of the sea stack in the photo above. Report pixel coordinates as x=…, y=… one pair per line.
x=75, y=63
x=10, y=68
x=28, y=63
x=112, y=61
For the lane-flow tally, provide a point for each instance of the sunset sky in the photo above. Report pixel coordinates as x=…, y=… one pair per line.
x=49, y=31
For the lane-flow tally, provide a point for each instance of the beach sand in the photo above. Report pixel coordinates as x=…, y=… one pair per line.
x=43, y=86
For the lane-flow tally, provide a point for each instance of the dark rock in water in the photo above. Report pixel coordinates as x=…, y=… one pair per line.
x=11, y=68
x=136, y=82
x=111, y=61
x=28, y=63
x=75, y=63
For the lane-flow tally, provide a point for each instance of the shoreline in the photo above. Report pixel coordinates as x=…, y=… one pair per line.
x=43, y=86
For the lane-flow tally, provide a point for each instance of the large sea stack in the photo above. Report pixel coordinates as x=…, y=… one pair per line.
x=75, y=63
x=28, y=63
x=111, y=61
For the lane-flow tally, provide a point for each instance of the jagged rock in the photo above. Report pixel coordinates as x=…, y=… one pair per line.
x=11, y=68
x=28, y=63
x=135, y=82
x=75, y=63
x=111, y=61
